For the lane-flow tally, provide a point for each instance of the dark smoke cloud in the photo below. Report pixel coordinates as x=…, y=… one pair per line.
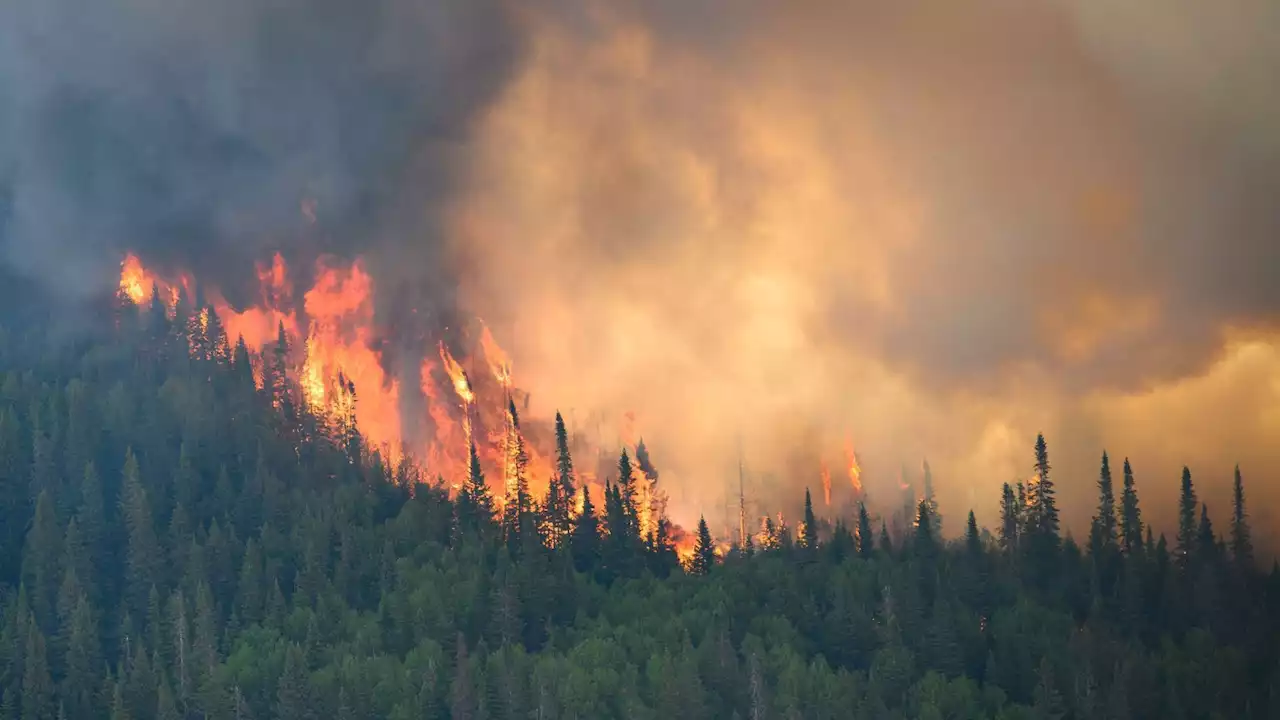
x=193, y=132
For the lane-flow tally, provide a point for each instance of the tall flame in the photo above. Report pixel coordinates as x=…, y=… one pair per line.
x=335, y=362
x=855, y=469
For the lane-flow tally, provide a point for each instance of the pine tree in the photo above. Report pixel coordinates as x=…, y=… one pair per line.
x=866, y=540
x=37, y=686
x=1010, y=519
x=41, y=571
x=142, y=560
x=626, y=487
x=585, y=541
x=1047, y=702
x=83, y=661
x=1206, y=540
x=704, y=550
x=972, y=540
x=932, y=500
x=1130, y=514
x=293, y=692
x=516, y=508
x=1186, y=539
x=475, y=502
x=1241, y=541
x=809, y=531
x=924, y=543
x=1102, y=534
x=561, y=490
x=1041, y=501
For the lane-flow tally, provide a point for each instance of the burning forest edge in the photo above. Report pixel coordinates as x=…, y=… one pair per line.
x=321, y=358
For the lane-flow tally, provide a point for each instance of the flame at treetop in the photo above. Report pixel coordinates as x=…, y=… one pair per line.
x=855, y=469
x=334, y=360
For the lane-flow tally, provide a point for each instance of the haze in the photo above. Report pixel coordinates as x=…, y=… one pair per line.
x=928, y=228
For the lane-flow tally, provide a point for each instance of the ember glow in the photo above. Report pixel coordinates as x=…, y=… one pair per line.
x=335, y=360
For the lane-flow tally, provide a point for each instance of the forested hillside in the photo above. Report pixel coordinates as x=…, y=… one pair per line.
x=182, y=542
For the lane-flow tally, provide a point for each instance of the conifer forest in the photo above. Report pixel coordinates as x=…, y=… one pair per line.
x=181, y=540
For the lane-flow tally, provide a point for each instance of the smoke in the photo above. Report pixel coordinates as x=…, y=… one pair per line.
x=934, y=230
x=202, y=135
x=924, y=229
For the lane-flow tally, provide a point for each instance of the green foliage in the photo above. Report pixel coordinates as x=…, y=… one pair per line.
x=179, y=544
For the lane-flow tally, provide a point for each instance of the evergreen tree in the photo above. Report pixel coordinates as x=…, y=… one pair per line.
x=1102, y=534
x=517, y=507
x=626, y=488
x=932, y=500
x=1206, y=540
x=866, y=541
x=1187, y=503
x=585, y=541
x=475, y=503
x=972, y=540
x=809, y=531
x=1130, y=514
x=142, y=560
x=924, y=542
x=293, y=693
x=1042, y=505
x=83, y=661
x=704, y=551
x=41, y=559
x=1010, y=519
x=38, y=701
x=560, y=491
x=1241, y=541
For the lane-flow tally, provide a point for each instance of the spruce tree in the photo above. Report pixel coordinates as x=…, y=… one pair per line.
x=932, y=500
x=626, y=488
x=809, y=533
x=38, y=701
x=42, y=555
x=561, y=491
x=1041, y=501
x=1186, y=540
x=584, y=544
x=1206, y=540
x=1130, y=514
x=866, y=540
x=1102, y=533
x=1241, y=540
x=924, y=543
x=972, y=540
x=704, y=550
x=1010, y=519
x=142, y=559
x=475, y=502
x=293, y=692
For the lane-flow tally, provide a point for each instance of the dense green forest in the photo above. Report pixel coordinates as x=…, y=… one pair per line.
x=180, y=543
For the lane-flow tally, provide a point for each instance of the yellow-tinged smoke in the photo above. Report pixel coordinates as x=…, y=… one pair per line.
x=937, y=229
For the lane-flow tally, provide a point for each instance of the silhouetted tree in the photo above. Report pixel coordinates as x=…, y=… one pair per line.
x=1241, y=540
x=1130, y=514
x=1186, y=539
x=704, y=550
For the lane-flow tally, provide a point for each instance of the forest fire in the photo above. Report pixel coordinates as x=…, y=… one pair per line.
x=334, y=360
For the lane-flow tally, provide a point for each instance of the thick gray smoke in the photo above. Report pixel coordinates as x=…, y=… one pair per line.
x=195, y=132
x=935, y=228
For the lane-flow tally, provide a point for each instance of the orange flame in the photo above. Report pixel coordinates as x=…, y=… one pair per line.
x=855, y=469
x=335, y=360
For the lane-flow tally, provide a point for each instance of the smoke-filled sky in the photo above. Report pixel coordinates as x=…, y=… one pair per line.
x=931, y=228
